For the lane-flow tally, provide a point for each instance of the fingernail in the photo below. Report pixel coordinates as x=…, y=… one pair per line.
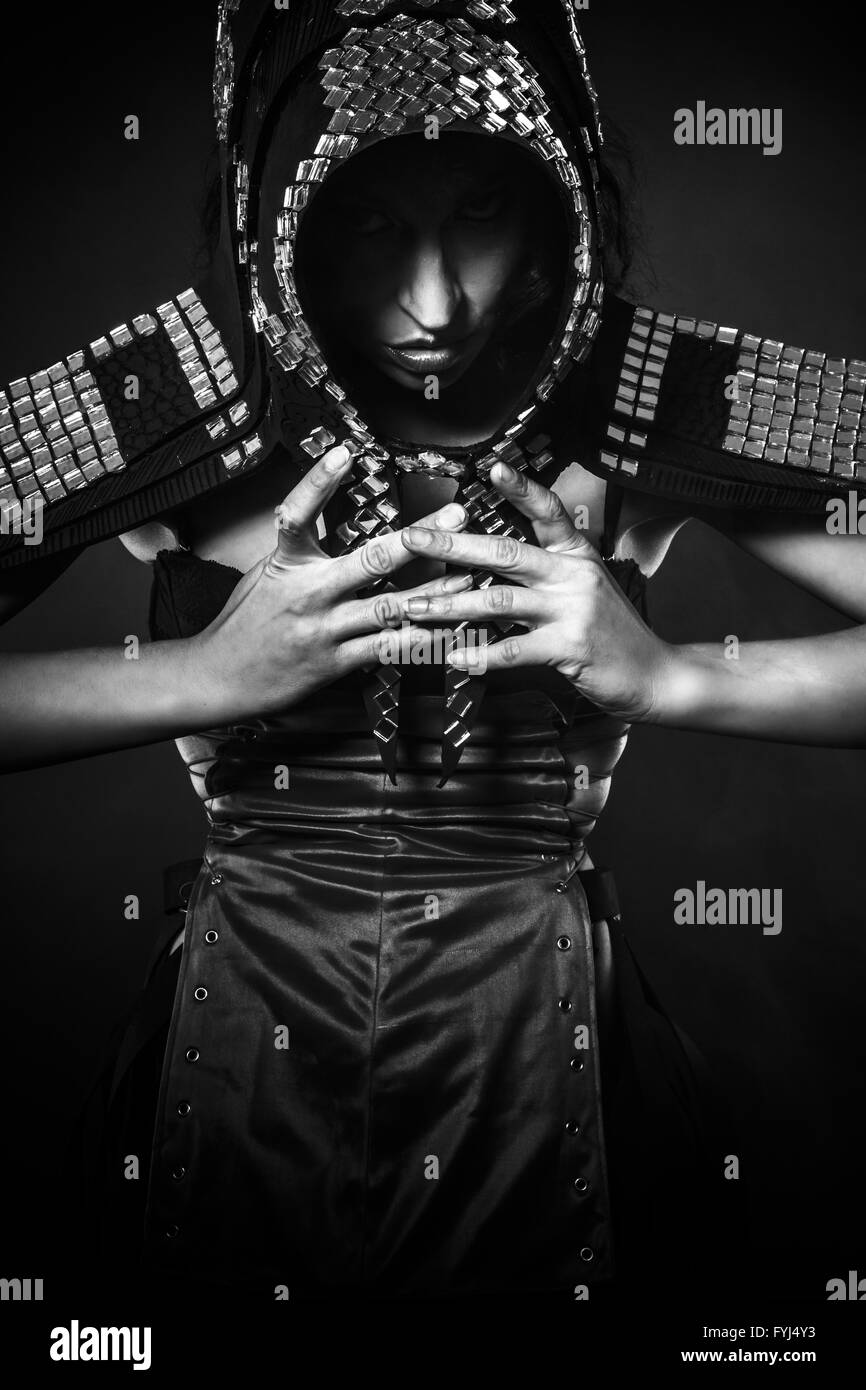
x=419, y=536
x=414, y=606
x=337, y=459
x=455, y=582
x=507, y=473
x=467, y=658
x=450, y=515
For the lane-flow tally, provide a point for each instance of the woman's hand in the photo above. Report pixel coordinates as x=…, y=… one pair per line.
x=577, y=617
x=294, y=623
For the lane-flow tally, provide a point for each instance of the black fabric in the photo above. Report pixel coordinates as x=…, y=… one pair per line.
x=670, y=1213
x=163, y=479
x=286, y=883
x=602, y=899
x=412, y=1035
x=164, y=401
x=694, y=400
x=171, y=458
x=187, y=593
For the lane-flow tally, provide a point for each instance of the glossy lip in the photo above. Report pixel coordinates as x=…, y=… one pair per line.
x=421, y=360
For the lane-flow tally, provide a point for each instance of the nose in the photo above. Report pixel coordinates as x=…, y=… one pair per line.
x=430, y=292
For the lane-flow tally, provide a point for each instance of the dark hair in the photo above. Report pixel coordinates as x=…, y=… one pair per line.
x=210, y=205
x=623, y=253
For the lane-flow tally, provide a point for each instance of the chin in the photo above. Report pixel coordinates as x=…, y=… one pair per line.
x=408, y=380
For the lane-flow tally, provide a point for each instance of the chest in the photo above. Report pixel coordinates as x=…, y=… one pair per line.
x=235, y=526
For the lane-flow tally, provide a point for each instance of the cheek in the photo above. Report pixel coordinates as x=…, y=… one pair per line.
x=484, y=262
x=354, y=281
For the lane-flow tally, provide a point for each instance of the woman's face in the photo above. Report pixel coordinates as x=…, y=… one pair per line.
x=409, y=251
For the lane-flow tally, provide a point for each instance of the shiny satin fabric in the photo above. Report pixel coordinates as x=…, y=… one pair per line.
x=385, y=1070
x=393, y=1080
x=381, y=1098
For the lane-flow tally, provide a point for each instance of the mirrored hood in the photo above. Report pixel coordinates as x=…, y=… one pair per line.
x=325, y=82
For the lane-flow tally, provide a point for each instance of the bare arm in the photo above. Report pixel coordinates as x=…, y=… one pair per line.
x=808, y=690
x=62, y=705
x=291, y=626
x=802, y=690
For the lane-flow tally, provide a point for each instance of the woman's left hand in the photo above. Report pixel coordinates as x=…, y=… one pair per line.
x=578, y=619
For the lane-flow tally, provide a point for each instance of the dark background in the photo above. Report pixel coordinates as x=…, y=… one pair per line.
x=96, y=229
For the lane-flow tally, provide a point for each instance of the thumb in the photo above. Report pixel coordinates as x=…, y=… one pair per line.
x=297, y=513
x=575, y=543
x=296, y=537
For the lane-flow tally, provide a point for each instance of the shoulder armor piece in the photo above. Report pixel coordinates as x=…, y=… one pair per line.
x=129, y=426
x=693, y=410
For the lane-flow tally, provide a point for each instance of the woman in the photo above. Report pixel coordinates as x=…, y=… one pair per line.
x=409, y=1051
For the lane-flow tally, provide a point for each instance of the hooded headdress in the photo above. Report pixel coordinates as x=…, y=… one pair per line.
x=185, y=398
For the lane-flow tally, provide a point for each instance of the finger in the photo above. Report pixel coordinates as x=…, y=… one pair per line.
x=389, y=610
x=551, y=522
x=446, y=584
x=530, y=649
x=384, y=648
x=502, y=554
x=497, y=602
x=297, y=513
x=382, y=556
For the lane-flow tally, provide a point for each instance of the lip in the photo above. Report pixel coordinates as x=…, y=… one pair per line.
x=420, y=360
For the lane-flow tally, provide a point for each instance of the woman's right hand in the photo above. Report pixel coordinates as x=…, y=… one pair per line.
x=294, y=624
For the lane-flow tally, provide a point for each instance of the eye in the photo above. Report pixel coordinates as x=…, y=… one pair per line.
x=482, y=208
x=366, y=220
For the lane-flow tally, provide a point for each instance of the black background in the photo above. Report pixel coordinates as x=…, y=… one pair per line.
x=96, y=229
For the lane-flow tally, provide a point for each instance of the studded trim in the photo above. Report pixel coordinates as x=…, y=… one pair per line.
x=380, y=82
x=774, y=404
x=224, y=67
x=376, y=83
x=64, y=429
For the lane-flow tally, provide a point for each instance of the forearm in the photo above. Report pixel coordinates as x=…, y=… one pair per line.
x=60, y=705
x=806, y=690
